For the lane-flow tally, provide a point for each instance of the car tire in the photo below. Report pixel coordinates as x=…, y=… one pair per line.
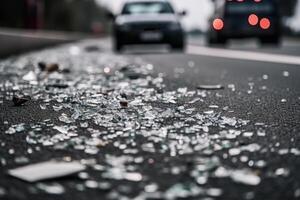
x=179, y=47
x=275, y=40
x=218, y=40
x=117, y=46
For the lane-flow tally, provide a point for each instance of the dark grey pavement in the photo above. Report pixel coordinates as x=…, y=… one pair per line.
x=173, y=141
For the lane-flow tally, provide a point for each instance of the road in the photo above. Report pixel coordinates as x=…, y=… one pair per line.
x=145, y=129
x=16, y=41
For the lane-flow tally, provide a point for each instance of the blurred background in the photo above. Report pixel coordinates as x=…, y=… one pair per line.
x=88, y=17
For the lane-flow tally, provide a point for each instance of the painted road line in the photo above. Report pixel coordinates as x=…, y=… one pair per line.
x=243, y=55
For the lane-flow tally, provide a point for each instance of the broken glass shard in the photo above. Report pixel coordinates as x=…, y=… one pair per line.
x=245, y=176
x=210, y=87
x=46, y=170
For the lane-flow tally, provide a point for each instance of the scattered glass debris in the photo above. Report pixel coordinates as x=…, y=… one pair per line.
x=183, y=133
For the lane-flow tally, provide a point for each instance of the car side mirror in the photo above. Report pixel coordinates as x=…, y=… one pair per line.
x=182, y=13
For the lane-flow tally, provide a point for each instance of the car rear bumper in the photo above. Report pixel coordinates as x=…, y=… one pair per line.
x=159, y=37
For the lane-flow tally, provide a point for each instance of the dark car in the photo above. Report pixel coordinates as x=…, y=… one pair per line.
x=148, y=22
x=245, y=19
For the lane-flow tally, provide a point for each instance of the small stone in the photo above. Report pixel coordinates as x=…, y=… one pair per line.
x=52, y=67
x=19, y=100
x=124, y=104
x=57, y=85
x=42, y=66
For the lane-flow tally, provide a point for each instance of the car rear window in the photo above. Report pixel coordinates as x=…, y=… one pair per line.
x=147, y=8
x=263, y=7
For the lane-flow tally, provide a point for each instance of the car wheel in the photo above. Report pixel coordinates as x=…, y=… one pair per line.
x=178, y=46
x=270, y=40
x=117, y=46
x=218, y=40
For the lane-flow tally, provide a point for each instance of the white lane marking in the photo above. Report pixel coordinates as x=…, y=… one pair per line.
x=244, y=55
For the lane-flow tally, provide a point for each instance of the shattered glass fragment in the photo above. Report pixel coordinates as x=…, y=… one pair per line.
x=153, y=187
x=30, y=76
x=282, y=172
x=183, y=191
x=51, y=188
x=245, y=176
x=46, y=170
x=214, y=192
x=210, y=87
x=285, y=73
x=265, y=77
x=91, y=184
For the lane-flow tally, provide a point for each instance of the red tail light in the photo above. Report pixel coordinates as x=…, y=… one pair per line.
x=218, y=24
x=265, y=23
x=253, y=20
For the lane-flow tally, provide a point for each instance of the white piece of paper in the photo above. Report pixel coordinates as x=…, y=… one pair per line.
x=46, y=170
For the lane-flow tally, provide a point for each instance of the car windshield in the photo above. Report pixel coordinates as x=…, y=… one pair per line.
x=147, y=8
x=265, y=7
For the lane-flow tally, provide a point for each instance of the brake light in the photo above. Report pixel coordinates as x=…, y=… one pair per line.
x=265, y=23
x=253, y=19
x=218, y=24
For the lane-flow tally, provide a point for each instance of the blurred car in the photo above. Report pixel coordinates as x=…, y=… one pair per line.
x=245, y=19
x=148, y=22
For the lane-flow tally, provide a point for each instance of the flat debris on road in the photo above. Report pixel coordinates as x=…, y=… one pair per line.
x=136, y=137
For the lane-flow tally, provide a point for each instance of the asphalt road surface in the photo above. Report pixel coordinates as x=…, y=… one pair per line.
x=149, y=124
